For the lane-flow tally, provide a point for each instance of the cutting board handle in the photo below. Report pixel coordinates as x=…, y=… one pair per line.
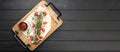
x=17, y=38
x=50, y=3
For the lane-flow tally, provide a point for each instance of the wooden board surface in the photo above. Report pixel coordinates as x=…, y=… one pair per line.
x=55, y=23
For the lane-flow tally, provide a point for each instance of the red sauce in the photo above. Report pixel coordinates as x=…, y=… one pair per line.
x=23, y=26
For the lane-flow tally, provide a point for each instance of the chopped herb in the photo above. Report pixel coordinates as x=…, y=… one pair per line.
x=38, y=26
x=28, y=32
x=33, y=18
x=39, y=16
x=36, y=39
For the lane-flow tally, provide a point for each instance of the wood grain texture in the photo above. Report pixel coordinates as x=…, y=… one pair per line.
x=68, y=15
x=76, y=46
x=89, y=26
x=74, y=36
x=62, y=4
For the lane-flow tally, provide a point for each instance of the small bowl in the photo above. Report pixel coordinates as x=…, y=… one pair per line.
x=23, y=26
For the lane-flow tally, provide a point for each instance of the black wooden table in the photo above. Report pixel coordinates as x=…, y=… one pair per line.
x=89, y=25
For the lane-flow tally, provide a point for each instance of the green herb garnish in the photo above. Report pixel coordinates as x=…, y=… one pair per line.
x=28, y=32
x=36, y=39
x=33, y=18
x=39, y=16
x=38, y=25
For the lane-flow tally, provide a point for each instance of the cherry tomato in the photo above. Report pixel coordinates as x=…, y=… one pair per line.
x=41, y=37
x=45, y=22
x=33, y=25
x=36, y=13
x=31, y=37
x=43, y=30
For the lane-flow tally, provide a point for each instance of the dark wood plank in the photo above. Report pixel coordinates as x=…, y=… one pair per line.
x=62, y=4
x=73, y=36
x=13, y=15
x=7, y=25
x=6, y=36
x=69, y=45
x=18, y=4
x=90, y=25
x=11, y=46
x=81, y=45
x=91, y=15
x=85, y=35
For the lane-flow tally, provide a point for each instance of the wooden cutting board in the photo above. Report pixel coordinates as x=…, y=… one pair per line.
x=56, y=22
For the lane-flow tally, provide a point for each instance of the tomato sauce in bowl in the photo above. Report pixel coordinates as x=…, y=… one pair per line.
x=23, y=26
